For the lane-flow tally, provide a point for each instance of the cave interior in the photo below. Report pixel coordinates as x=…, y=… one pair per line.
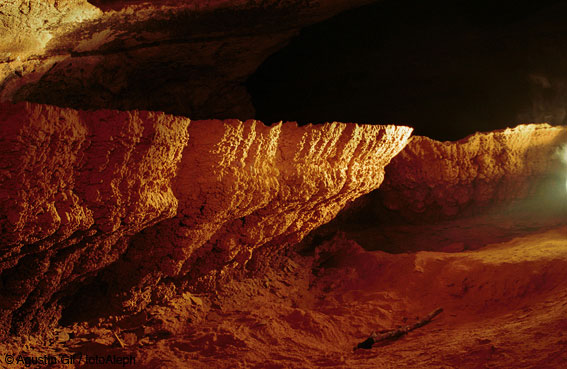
x=267, y=184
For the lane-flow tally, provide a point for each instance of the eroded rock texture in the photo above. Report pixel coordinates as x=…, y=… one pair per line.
x=242, y=186
x=188, y=57
x=74, y=187
x=149, y=196
x=436, y=180
x=456, y=196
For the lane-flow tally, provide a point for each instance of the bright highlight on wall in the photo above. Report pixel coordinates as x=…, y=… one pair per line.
x=562, y=152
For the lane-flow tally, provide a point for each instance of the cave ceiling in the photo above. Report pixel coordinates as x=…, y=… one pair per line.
x=184, y=57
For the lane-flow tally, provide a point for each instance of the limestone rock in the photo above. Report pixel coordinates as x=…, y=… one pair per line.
x=73, y=186
x=242, y=185
x=145, y=195
x=432, y=179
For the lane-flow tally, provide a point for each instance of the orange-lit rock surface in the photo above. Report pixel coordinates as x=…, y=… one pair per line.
x=74, y=186
x=432, y=179
x=177, y=242
x=504, y=307
x=244, y=185
x=188, y=57
x=148, y=196
x=456, y=196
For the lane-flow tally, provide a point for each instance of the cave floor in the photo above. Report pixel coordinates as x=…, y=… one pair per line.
x=505, y=306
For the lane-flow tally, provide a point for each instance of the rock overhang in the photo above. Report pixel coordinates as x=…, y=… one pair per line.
x=184, y=57
x=146, y=195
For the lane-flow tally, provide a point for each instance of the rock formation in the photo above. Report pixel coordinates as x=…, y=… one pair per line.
x=433, y=180
x=455, y=196
x=142, y=215
x=144, y=196
x=187, y=57
x=75, y=185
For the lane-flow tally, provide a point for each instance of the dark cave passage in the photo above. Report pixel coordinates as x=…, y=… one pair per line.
x=447, y=68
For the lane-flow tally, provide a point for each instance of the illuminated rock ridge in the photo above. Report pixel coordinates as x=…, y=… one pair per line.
x=141, y=196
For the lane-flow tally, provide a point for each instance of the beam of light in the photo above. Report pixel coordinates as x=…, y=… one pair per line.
x=562, y=152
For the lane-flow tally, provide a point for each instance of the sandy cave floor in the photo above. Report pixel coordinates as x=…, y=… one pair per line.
x=505, y=307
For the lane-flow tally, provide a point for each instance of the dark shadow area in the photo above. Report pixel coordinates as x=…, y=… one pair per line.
x=447, y=68
x=90, y=302
x=106, y=5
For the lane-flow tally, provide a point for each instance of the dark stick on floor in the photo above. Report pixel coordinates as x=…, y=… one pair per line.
x=394, y=334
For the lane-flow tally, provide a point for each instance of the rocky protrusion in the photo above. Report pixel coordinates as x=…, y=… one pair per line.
x=74, y=186
x=244, y=186
x=148, y=195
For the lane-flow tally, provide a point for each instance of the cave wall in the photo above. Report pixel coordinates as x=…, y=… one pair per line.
x=147, y=196
x=75, y=186
x=147, y=203
x=432, y=180
x=462, y=195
